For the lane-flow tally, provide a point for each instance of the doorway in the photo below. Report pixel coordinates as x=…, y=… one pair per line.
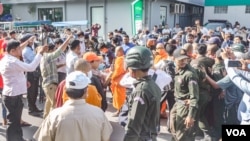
x=97, y=16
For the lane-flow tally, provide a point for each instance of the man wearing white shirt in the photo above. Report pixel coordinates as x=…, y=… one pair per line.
x=72, y=55
x=80, y=37
x=12, y=71
x=228, y=30
x=166, y=31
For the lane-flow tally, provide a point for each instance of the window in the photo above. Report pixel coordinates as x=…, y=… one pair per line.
x=163, y=15
x=53, y=14
x=220, y=9
x=247, y=9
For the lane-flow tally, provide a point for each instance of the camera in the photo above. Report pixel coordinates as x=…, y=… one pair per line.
x=48, y=28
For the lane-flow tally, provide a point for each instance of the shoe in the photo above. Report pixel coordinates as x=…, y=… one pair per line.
x=35, y=114
x=31, y=112
x=24, y=124
x=38, y=110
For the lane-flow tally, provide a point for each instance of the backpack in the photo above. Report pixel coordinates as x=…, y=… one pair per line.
x=123, y=115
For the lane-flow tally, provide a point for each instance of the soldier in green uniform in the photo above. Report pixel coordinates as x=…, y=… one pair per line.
x=144, y=102
x=218, y=103
x=204, y=89
x=183, y=114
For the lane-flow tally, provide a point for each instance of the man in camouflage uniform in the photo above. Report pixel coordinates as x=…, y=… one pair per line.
x=144, y=102
x=183, y=113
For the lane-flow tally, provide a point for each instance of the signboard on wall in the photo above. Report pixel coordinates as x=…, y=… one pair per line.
x=137, y=15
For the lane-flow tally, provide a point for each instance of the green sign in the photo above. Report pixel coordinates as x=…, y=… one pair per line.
x=226, y=2
x=137, y=15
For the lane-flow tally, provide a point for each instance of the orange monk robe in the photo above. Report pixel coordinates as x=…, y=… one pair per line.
x=119, y=92
x=93, y=97
x=162, y=55
x=159, y=57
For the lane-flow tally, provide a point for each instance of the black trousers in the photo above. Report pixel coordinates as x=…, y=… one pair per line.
x=14, y=105
x=61, y=77
x=32, y=91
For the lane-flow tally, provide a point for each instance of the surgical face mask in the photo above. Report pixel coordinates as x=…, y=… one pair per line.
x=101, y=66
x=89, y=74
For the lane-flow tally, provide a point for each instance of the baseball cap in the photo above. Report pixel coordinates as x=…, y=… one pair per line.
x=26, y=37
x=77, y=80
x=91, y=56
x=238, y=48
x=214, y=40
x=180, y=54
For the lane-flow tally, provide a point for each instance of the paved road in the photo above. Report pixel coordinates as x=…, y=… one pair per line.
x=117, y=135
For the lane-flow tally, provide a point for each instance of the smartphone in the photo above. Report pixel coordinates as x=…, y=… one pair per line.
x=233, y=63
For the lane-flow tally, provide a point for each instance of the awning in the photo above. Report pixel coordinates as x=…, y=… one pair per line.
x=70, y=23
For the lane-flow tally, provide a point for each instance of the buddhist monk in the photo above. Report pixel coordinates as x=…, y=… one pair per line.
x=161, y=53
x=119, y=92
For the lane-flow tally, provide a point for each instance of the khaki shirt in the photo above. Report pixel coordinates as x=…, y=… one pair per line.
x=75, y=121
x=186, y=87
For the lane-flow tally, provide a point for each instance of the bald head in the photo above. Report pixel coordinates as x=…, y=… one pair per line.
x=160, y=45
x=82, y=65
x=119, y=51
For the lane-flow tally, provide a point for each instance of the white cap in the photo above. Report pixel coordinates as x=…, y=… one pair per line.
x=77, y=80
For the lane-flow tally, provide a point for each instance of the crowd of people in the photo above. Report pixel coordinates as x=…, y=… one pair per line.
x=186, y=76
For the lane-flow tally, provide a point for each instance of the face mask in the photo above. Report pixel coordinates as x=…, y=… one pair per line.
x=101, y=66
x=89, y=74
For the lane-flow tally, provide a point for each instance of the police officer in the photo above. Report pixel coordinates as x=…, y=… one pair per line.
x=204, y=88
x=183, y=113
x=144, y=102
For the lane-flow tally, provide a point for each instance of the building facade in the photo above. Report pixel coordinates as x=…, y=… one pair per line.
x=110, y=14
x=231, y=10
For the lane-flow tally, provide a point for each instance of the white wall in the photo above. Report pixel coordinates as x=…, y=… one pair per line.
x=21, y=10
x=76, y=11
x=235, y=13
x=155, y=14
x=119, y=15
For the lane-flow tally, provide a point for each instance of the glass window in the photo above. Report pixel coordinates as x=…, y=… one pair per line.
x=220, y=9
x=53, y=14
x=163, y=15
x=247, y=9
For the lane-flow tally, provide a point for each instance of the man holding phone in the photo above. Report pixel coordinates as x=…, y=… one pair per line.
x=241, y=78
